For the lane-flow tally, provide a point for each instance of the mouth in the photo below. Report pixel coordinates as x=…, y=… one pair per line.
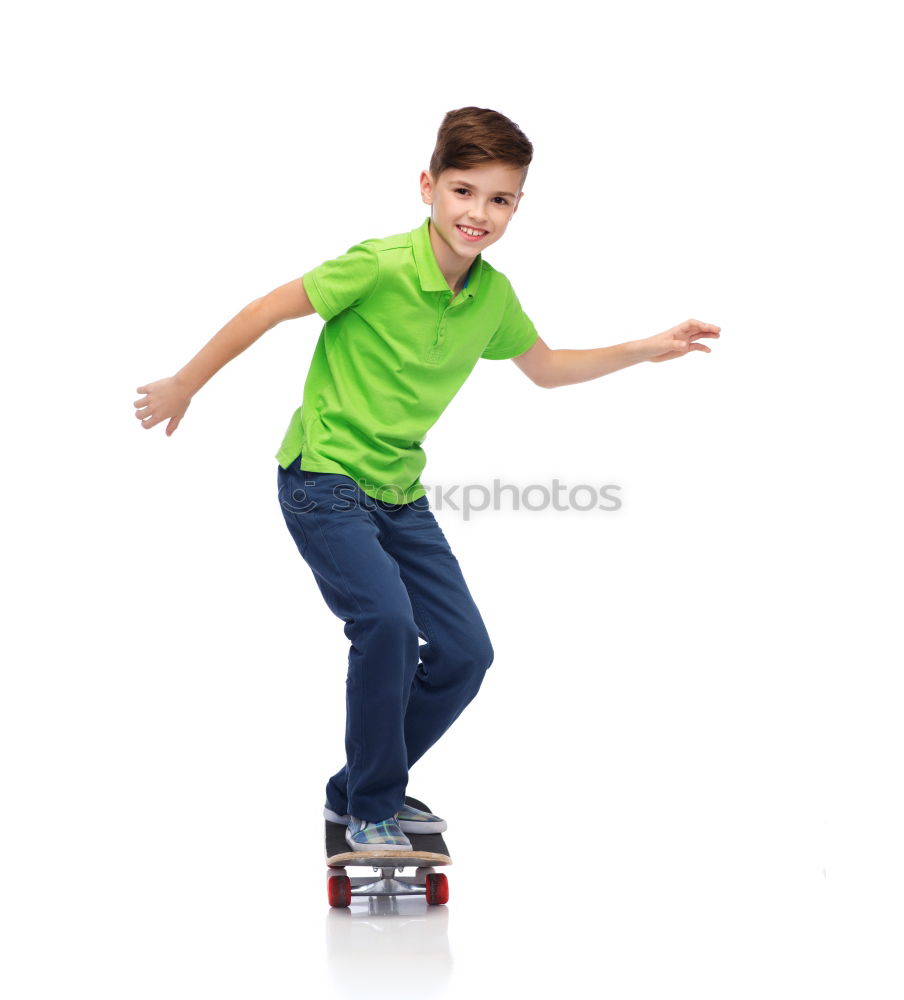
x=471, y=235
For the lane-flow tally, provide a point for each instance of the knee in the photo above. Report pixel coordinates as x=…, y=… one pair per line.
x=486, y=653
x=389, y=621
x=478, y=650
x=479, y=656
x=461, y=660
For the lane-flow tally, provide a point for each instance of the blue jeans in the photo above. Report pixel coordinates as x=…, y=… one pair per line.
x=388, y=572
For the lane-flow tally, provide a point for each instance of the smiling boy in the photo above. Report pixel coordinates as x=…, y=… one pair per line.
x=406, y=319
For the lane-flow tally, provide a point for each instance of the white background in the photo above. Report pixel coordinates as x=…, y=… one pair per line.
x=682, y=774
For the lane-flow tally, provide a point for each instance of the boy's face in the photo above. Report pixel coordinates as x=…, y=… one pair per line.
x=482, y=198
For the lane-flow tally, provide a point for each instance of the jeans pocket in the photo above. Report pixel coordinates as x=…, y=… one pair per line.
x=418, y=523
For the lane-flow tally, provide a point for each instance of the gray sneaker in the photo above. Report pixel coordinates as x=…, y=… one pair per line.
x=334, y=817
x=413, y=820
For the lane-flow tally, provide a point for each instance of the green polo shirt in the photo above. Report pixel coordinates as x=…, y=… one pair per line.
x=395, y=348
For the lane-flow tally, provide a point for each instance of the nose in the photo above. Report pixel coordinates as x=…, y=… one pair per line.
x=477, y=216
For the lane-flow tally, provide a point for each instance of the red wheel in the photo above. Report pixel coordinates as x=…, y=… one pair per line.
x=339, y=890
x=437, y=889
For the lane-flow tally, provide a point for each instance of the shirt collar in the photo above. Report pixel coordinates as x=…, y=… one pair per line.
x=431, y=277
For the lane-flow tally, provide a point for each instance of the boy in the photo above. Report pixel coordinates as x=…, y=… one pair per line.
x=406, y=319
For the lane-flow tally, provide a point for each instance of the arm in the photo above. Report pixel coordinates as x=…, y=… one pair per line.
x=551, y=368
x=168, y=398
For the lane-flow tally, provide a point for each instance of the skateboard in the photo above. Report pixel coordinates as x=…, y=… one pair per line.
x=427, y=851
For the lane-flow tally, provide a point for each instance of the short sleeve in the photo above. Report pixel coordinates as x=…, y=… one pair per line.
x=515, y=335
x=337, y=284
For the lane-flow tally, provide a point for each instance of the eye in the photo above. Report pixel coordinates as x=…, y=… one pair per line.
x=497, y=198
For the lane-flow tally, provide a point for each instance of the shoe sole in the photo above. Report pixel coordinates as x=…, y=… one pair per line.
x=412, y=827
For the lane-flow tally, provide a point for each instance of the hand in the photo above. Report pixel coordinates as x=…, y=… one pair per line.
x=167, y=398
x=680, y=339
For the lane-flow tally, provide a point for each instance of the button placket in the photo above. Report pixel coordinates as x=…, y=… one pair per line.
x=448, y=300
x=434, y=353
x=441, y=327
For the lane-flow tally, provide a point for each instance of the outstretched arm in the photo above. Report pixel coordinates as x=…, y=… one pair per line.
x=551, y=368
x=168, y=398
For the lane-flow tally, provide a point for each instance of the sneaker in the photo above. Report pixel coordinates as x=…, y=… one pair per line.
x=410, y=820
x=413, y=820
x=384, y=835
x=335, y=817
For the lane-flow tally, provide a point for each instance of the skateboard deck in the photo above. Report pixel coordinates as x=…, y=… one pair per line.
x=427, y=850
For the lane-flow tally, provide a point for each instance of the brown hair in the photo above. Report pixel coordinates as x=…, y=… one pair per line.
x=473, y=136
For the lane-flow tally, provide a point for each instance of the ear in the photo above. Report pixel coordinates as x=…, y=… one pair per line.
x=426, y=183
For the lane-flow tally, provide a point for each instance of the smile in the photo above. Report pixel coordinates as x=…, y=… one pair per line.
x=472, y=235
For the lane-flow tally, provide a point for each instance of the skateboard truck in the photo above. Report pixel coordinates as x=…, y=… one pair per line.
x=388, y=884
